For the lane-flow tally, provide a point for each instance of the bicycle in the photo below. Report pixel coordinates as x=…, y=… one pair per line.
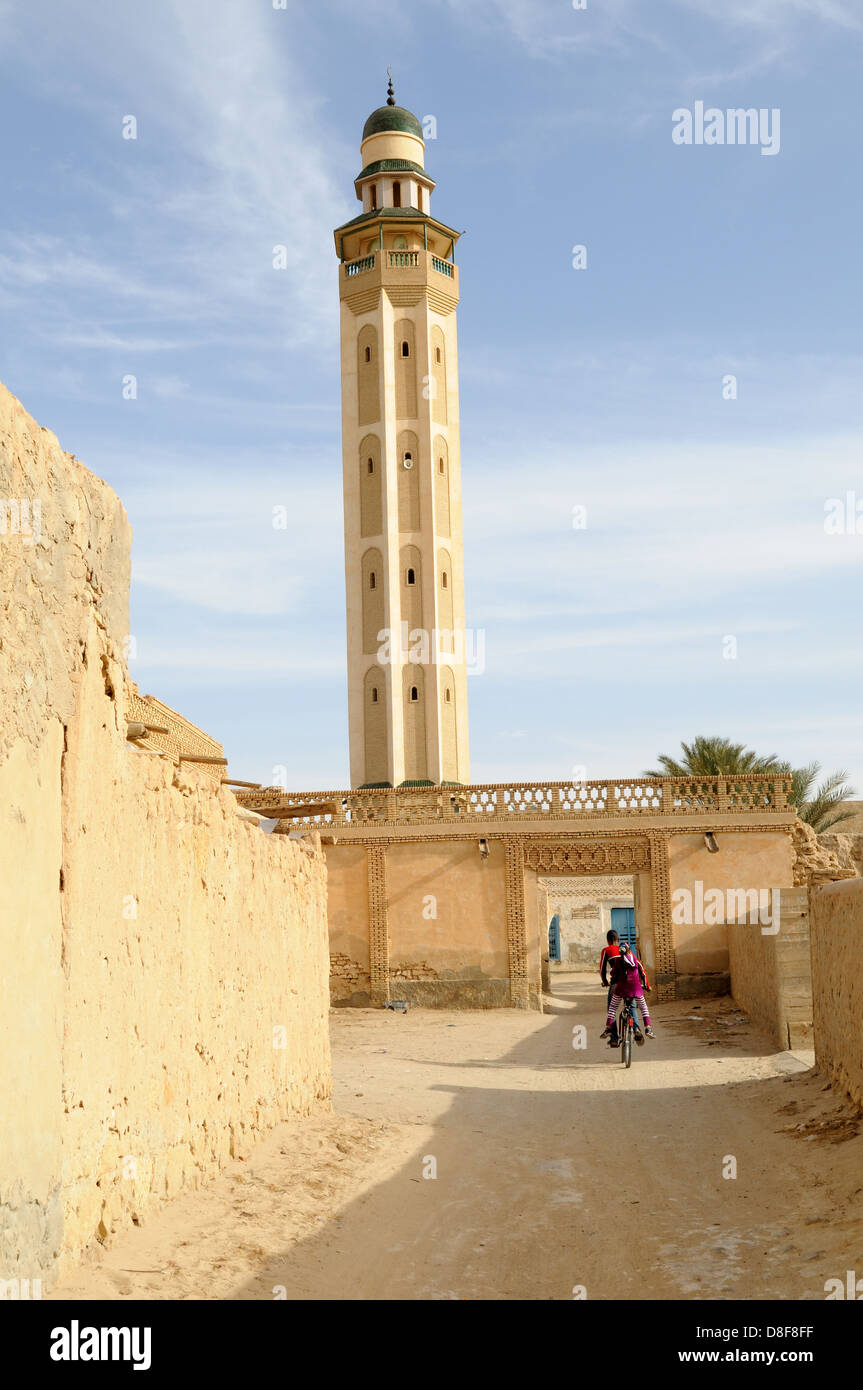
x=627, y=1026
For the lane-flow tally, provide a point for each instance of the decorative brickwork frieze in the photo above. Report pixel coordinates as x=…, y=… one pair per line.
x=663, y=935
x=378, y=925
x=516, y=932
x=568, y=858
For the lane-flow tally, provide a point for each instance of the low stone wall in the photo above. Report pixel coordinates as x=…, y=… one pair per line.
x=163, y=991
x=836, y=923
x=770, y=971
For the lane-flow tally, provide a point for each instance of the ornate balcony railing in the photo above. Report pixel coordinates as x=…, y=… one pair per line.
x=671, y=797
x=357, y=267
x=397, y=260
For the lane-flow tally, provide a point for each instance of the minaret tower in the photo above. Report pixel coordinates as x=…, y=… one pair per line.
x=398, y=286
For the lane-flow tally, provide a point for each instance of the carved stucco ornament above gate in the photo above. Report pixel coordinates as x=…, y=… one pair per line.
x=612, y=856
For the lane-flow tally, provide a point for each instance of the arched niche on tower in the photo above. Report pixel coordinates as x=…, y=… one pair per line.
x=414, y=719
x=411, y=594
x=438, y=375
x=448, y=725
x=371, y=487
x=407, y=452
x=372, y=565
x=375, y=724
x=406, y=369
x=444, y=590
x=440, y=455
x=368, y=376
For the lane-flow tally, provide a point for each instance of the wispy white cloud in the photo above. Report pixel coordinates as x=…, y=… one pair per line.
x=774, y=14
x=170, y=387
x=662, y=523
x=549, y=29
x=167, y=247
x=40, y=262
x=102, y=340
x=238, y=657
x=236, y=541
x=217, y=94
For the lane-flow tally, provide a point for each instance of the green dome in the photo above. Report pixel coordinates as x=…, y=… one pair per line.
x=392, y=118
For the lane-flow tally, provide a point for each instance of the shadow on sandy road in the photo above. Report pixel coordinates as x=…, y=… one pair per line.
x=526, y=1186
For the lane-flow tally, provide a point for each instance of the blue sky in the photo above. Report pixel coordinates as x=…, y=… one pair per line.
x=599, y=388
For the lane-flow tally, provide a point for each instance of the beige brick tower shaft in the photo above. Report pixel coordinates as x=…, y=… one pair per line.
x=407, y=645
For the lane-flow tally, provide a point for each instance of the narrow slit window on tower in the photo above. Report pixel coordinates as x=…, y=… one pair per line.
x=440, y=467
x=437, y=354
x=371, y=465
x=448, y=696
x=406, y=349
x=373, y=583
x=374, y=195
x=412, y=577
x=408, y=461
x=368, y=354
x=397, y=195
x=414, y=694
x=375, y=694
x=444, y=581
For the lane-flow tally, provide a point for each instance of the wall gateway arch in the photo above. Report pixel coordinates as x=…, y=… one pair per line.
x=433, y=892
x=588, y=855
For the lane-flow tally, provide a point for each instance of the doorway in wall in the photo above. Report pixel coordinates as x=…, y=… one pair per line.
x=623, y=922
x=579, y=913
x=554, y=938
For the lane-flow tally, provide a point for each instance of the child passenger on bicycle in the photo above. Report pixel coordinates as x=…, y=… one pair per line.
x=630, y=982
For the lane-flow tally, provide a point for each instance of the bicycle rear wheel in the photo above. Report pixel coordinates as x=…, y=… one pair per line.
x=626, y=1044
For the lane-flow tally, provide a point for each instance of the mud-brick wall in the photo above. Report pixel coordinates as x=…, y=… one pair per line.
x=771, y=975
x=836, y=925
x=163, y=991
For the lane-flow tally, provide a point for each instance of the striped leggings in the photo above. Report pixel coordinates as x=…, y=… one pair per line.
x=617, y=999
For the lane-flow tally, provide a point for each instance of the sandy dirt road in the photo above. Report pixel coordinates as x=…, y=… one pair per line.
x=544, y=1155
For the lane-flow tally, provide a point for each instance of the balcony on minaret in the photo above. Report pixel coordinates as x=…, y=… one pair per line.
x=395, y=239
x=385, y=266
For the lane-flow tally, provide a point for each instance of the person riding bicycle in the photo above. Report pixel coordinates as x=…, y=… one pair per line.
x=630, y=982
x=607, y=962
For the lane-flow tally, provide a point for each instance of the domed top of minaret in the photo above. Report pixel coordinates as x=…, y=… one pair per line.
x=392, y=118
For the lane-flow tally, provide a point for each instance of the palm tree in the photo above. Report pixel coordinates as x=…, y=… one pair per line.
x=719, y=757
x=818, y=807
x=715, y=757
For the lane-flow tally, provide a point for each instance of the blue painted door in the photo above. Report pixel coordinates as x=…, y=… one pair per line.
x=554, y=938
x=623, y=921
